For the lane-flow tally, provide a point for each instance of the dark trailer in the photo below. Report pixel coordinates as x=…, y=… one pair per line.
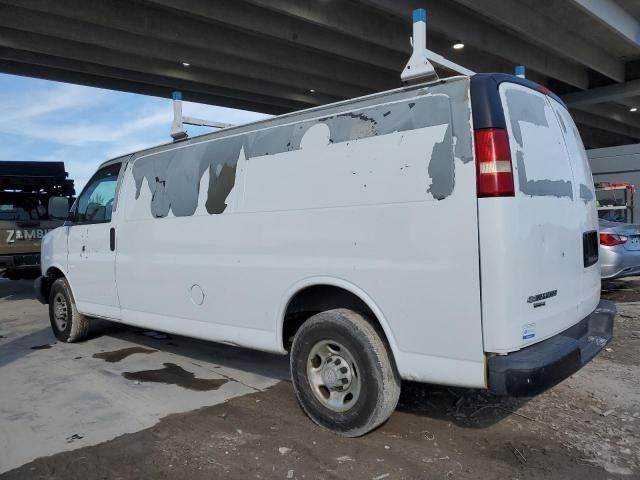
x=34, y=198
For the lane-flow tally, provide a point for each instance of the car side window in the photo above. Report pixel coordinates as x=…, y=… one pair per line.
x=95, y=203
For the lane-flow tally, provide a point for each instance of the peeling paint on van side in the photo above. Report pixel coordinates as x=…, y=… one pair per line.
x=174, y=175
x=428, y=111
x=383, y=169
x=543, y=188
x=442, y=168
x=458, y=93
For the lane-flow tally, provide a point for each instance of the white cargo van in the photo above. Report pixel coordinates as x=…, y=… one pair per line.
x=442, y=233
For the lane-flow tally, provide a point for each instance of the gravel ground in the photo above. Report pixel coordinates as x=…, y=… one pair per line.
x=588, y=426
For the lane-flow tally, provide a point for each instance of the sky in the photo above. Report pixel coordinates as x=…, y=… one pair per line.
x=84, y=126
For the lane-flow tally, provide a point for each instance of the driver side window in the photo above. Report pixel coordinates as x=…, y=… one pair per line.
x=95, y=204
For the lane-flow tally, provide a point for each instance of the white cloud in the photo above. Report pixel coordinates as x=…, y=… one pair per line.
x=58, y=97
x=42, y=121
x=85, y=126
x=84, y=132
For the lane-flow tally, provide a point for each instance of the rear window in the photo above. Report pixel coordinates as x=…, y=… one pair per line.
x=537, y=144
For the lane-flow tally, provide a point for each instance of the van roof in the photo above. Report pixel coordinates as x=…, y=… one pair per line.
x=267, y=121
x=486, y=105
x=485, y=100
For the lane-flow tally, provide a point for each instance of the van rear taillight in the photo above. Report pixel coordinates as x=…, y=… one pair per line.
x=493, y=163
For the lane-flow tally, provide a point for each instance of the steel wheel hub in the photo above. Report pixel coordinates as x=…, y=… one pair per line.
x=60, y=312
x=336, y=373
x=333, y=375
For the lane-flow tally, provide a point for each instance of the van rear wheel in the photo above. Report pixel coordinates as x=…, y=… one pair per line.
x=343, y=373
x=67, y=323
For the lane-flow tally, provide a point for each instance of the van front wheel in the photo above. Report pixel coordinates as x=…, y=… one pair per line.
x=67, y=323
x=343, y=374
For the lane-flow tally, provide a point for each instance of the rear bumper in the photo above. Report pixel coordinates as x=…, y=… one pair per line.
x=536, y=368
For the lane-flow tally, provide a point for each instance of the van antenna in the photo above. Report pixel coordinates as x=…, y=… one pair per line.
x=420, y=65
x=177, y=127
x=520, y=71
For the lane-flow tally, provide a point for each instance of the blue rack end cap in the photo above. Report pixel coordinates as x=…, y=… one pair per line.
x=177, y=95
x=419, y=15
x=520, y=70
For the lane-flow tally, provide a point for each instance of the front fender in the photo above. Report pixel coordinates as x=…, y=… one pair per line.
x=53, y=250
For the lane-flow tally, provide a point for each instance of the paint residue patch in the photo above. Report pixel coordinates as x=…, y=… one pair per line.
x=123, y=353
x=172, y=374
x=73, y=438
x=174, y=176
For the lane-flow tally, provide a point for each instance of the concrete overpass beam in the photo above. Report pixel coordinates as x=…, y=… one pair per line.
x=55, y=50
x=21, y=19
x=167, y=27
x=546, y=31
x=610, y=93
x=614, y=17
x=82, y=73
x=606, y=124
x=445, y=20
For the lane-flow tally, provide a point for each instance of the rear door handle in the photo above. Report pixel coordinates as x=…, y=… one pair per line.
x=112, y=239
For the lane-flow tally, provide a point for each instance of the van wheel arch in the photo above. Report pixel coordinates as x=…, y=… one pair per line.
x=314, y=299
x=53, y=274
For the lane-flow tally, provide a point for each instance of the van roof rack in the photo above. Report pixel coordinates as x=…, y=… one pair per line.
x=419, y=69
x=177, y=127
x=420, y=66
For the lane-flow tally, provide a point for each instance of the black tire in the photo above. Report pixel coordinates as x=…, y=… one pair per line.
x=74, y=327
x=355, y=340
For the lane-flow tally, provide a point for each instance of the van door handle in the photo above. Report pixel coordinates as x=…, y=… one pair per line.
x=112, y=239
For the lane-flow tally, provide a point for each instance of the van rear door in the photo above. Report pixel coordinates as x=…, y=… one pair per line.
x=538, y=247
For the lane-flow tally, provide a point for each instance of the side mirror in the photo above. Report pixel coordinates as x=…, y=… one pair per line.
x=58, y=208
